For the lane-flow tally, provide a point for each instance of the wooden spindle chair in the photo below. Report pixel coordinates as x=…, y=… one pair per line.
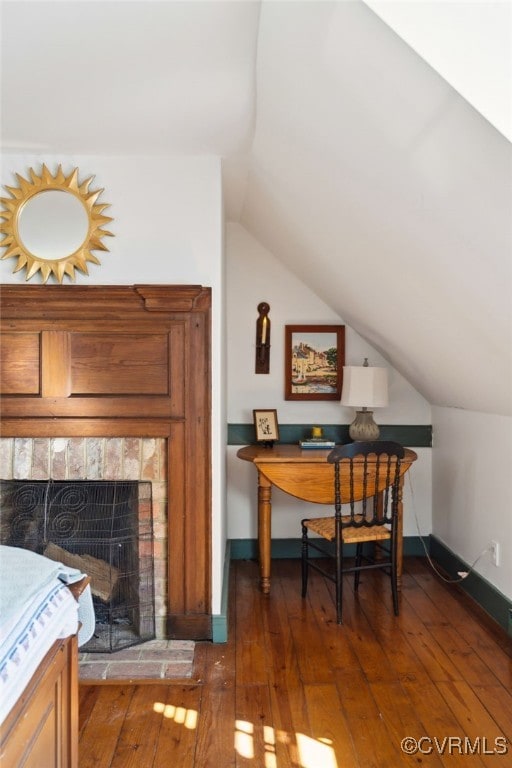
x=367, y=485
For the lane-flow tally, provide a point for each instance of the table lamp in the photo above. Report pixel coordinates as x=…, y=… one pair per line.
x=364, y=387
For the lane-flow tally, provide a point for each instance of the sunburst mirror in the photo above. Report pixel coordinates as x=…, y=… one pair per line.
x=52, y=223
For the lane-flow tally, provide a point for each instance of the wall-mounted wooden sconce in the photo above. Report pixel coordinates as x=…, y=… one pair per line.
x=263, y=339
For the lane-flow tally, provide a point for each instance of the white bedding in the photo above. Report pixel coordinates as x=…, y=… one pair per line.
x=36, y=609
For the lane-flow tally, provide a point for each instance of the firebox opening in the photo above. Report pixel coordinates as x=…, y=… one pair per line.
x=104, y=528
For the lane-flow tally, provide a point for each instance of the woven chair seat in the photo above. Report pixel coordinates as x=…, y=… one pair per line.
x=325, y=527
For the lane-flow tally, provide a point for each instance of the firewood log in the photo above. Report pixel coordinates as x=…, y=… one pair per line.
x=104, y=577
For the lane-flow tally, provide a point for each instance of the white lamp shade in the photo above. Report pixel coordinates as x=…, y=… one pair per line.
x=364, y=386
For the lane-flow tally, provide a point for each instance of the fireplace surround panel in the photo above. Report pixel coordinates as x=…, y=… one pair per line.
x=119, y=363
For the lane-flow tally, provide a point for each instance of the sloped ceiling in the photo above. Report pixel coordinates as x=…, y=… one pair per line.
x=125, y=77
x=344, y=154
x=389, y=195
x=469, y=43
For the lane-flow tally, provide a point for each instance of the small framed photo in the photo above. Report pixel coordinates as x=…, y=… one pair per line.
x=266, y=426
x=314, y=359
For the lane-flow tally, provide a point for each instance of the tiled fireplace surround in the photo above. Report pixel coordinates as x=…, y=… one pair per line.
x=101, y=458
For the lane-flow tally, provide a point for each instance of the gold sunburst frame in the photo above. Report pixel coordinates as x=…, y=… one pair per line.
x=20, y=195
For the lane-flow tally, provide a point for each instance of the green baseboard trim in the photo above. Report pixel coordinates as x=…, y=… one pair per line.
x=411, y=435
x=413, y=546
x=220, y=620
x=493, y=602
x=247, y=549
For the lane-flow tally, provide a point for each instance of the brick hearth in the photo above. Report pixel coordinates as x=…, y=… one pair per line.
x=156, y=659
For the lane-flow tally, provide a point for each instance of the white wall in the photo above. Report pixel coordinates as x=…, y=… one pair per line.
x=472, y=492
x=167, y=223
x=255, y=275
x=166, y=211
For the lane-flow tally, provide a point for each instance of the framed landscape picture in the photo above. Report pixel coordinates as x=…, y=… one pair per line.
x=314, y=359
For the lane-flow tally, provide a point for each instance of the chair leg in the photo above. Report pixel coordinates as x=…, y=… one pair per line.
x=394, y=583
x=304, y=559
x=359, y=558
x=339, y=582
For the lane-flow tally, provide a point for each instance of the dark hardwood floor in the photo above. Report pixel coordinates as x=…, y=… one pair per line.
x=291, y=689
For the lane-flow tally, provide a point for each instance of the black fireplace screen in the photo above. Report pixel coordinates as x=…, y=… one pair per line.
x=105, y=529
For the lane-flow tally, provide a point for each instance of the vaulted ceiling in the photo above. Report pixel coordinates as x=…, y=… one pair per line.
x=344, y=153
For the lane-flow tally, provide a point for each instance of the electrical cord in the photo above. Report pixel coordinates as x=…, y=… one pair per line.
x=461, y=574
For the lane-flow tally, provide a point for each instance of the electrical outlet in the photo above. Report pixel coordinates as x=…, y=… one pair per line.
x=494, y=552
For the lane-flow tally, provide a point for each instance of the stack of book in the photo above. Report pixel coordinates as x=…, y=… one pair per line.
x=317, y=442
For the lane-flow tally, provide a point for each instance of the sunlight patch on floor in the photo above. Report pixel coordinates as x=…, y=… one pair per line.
x=244, y=742
x=311, y=752
x=180, y=715
x=315, y=752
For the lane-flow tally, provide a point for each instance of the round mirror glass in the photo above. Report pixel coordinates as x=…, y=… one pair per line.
x=53, y=224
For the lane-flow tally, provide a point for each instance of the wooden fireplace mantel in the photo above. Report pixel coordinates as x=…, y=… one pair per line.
x=114, y=361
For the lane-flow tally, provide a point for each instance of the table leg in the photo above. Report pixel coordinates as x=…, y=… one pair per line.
x=399, y=532
x=400, y=535
x=264, y=531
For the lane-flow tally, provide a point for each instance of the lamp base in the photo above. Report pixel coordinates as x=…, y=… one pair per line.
x=363, y=427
